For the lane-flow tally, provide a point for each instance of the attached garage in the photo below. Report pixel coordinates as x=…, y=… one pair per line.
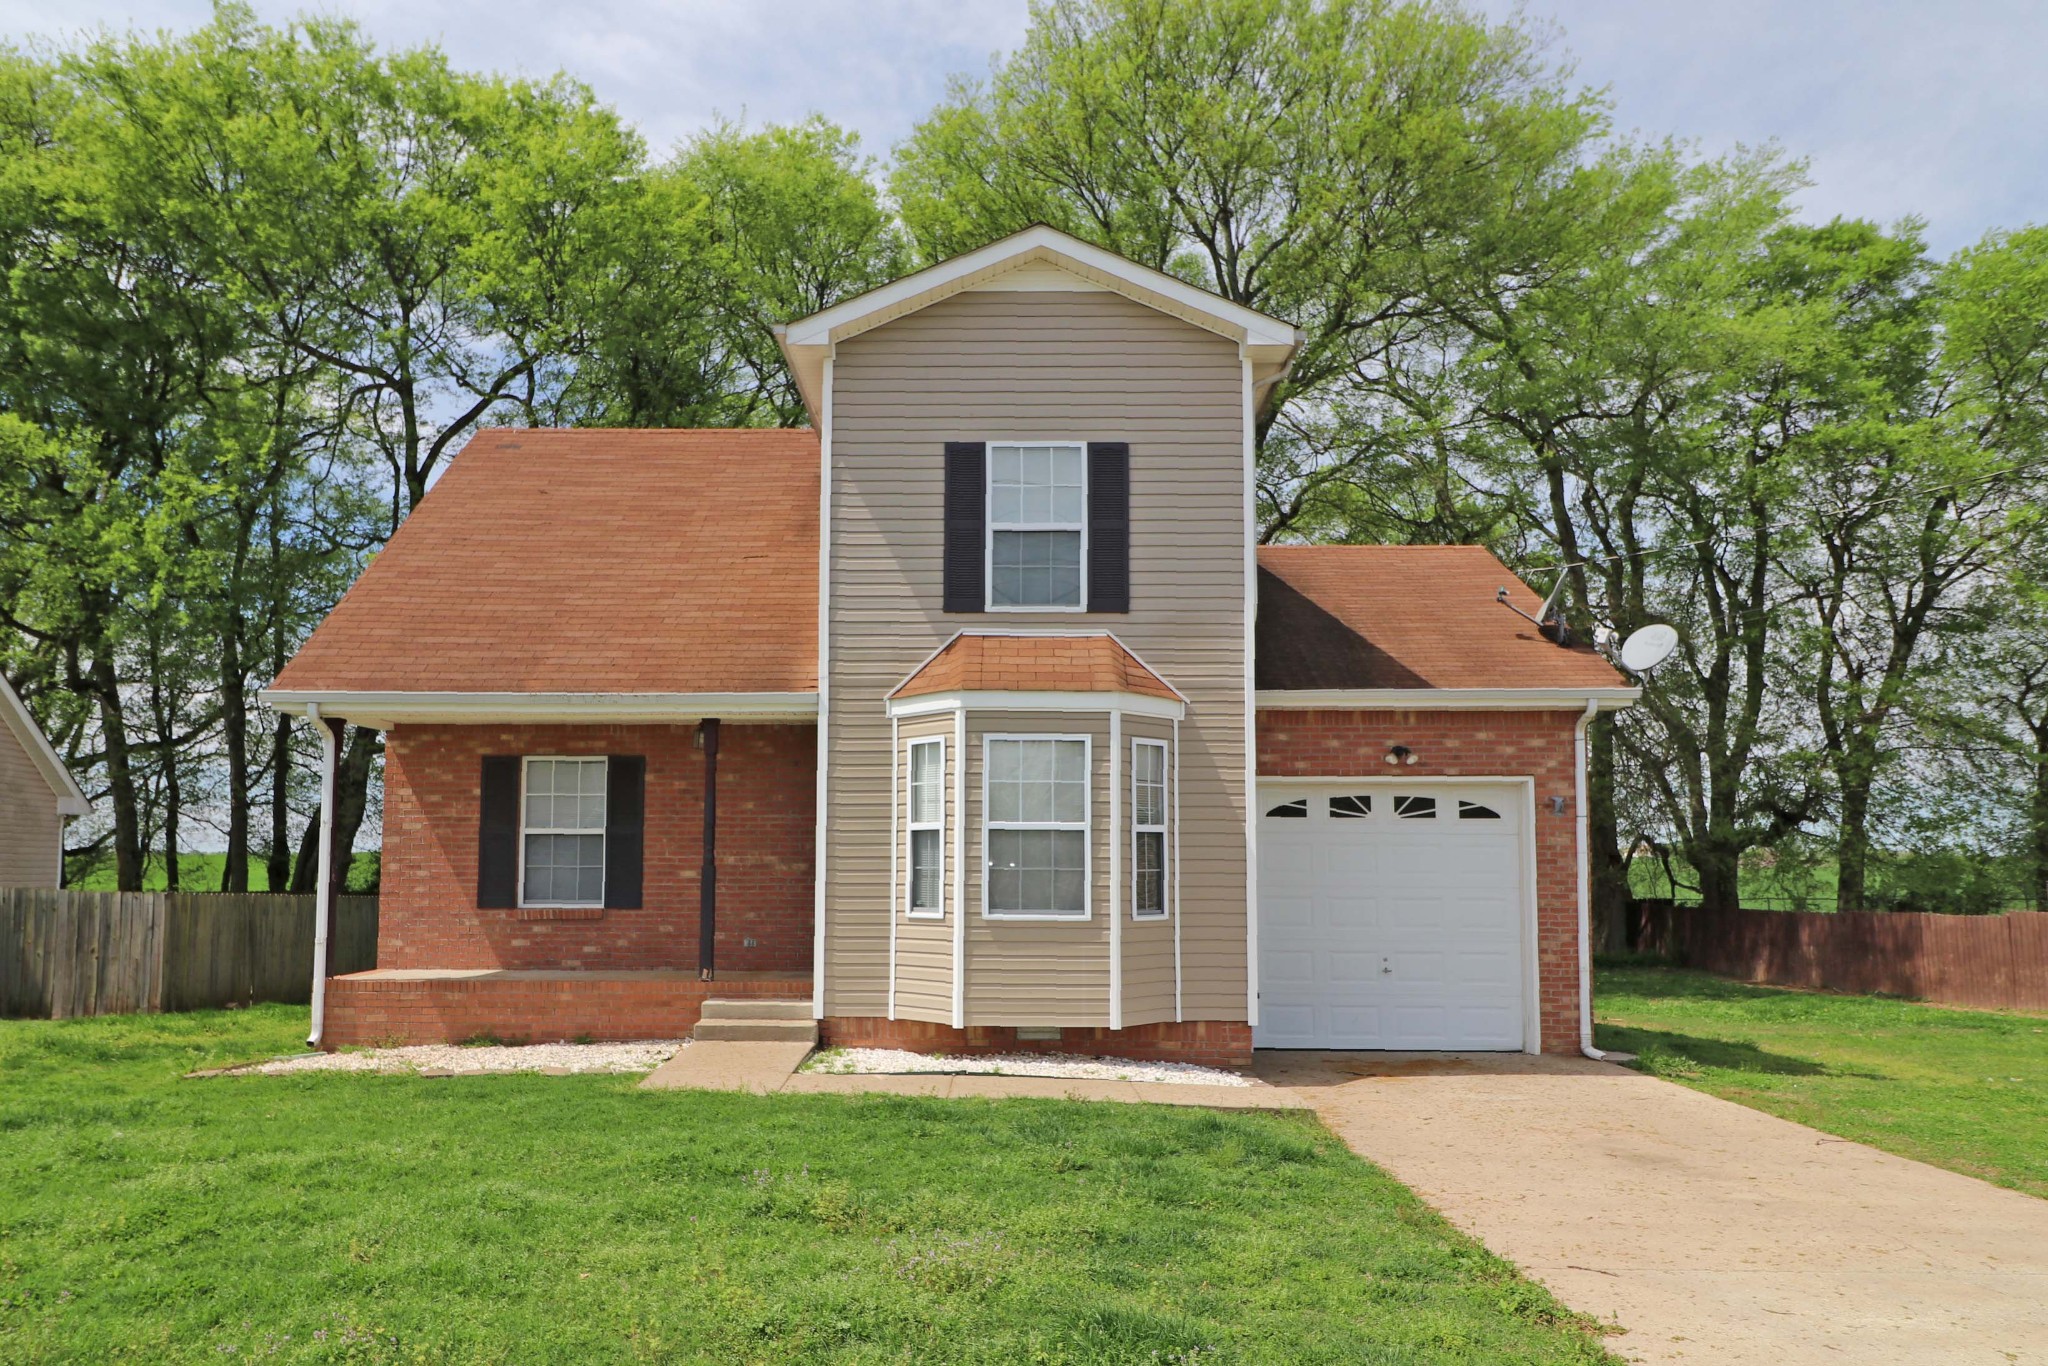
x=1395, y=915
x=1419, y=817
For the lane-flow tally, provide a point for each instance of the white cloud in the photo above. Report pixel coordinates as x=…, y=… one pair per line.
x=671, y=68
x=1898, y=106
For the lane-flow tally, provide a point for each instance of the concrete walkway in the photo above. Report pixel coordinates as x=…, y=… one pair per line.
x=770, y=1068
x=1710, y=1231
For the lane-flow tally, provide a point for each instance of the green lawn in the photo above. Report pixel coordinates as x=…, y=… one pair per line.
x=1962, y=1089
x=201, y=873
x=571, y=1219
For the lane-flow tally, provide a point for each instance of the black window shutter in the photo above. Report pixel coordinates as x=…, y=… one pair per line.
x=966, y=526
x=1109, y=526
x=497, y=845
x=625, y=822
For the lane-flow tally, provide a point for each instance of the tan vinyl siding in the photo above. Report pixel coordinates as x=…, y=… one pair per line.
x=1147, y=944
x=28, y=817
x=924, y=948
x=1039, y=972
x=1044, y=365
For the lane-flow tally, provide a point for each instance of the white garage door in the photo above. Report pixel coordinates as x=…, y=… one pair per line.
x=1391, y=915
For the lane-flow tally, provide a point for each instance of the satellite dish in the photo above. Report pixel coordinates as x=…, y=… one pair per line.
x=1644, y=650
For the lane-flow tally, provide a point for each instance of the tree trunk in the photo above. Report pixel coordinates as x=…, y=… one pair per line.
x=1720, y=873
x=234, y=723
x=2040, y=817
x=1852, y=844
x=106, y=693
x=351, y=801
x=1609, y=873
x=278, y=864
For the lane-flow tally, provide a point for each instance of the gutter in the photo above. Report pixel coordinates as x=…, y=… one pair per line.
x=1585, y=841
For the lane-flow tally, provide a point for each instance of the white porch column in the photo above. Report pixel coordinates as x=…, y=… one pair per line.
x=323, y=892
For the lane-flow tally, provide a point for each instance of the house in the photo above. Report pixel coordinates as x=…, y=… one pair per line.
x=973, y=716
x=37, y=795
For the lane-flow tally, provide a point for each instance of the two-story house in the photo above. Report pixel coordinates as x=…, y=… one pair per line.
x=974, y=715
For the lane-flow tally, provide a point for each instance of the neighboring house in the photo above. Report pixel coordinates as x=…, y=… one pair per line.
x=1012, y=734
x=37, y=794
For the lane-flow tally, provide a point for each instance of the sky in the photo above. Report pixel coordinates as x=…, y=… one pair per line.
x=1934, y=108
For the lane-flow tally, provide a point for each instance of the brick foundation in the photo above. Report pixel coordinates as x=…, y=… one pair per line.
x=1467, y=744
x=372, y=1008
x=1211, y=1043
x=767, y=791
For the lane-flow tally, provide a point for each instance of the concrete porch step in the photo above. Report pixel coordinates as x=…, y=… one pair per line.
x=758, y=1031
x=756, y=1008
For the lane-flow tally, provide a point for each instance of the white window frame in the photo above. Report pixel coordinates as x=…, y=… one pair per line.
x=990, y=528
x=1086, y=826
x=1164, y=830
x=912, y=827
x=525, y=761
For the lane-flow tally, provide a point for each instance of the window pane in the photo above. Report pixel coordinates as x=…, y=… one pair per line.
x=1148, y=892
x=1038, y=872
x=565, y=868
x=927, y=791
x=1148, y=785
x=1352, y=807
x=1036, y=569
x=1038, y=781
x=1415, y=808
x=924, y=869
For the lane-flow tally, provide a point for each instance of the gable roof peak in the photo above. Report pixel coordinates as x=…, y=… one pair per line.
x=1265, y=341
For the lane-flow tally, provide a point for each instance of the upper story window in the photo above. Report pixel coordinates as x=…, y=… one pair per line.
x=562, y=835
x=1037, y=522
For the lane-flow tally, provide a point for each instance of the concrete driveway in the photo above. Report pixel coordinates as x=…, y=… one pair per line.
x=1709, y=1231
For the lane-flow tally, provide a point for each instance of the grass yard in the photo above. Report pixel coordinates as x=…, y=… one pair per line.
x=1962, y=1089
x=202, y=873
x=358, y=1218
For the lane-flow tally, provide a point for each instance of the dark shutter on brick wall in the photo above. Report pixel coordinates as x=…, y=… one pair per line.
x=1109, y=526
x=966, y=526
x=497, y=845
x=625, y=823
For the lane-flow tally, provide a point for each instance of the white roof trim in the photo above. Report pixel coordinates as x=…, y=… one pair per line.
x=807, y=341
x=380, y=710
x=1447, y=699
x=70, y=796
x=1130, y=704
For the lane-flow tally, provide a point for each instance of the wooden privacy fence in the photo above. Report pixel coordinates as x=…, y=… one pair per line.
x=65, y=954
x=1997, y=962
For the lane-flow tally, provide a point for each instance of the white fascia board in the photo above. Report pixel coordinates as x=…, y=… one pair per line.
x=70, y=796
x=1130, y=704
x=380, y=710
x=852, y=316
x=1447, y=699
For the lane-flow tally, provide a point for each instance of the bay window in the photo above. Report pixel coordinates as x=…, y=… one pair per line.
x=1036, y=819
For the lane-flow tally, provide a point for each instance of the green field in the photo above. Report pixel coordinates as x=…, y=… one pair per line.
x=1962, y=1089
x=575, y=1219
x=202, y=873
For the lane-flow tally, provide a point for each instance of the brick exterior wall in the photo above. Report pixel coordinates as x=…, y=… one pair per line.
x=1467, y=744
x=369, y=1010
x=767, y=783
x=1211, y=1043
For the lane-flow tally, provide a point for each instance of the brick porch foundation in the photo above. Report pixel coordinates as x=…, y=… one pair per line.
x=397, y=1006
x=1211, y=1043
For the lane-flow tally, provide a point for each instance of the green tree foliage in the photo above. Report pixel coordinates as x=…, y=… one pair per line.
x=257, y=286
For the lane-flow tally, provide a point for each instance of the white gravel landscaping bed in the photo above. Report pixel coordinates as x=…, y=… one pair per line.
x=888, y=1060
x=460, y=1059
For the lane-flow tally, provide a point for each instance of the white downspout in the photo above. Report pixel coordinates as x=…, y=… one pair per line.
x=323, y=894
x=1579, y=746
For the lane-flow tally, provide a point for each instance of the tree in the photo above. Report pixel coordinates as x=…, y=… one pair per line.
x=1334, y=162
